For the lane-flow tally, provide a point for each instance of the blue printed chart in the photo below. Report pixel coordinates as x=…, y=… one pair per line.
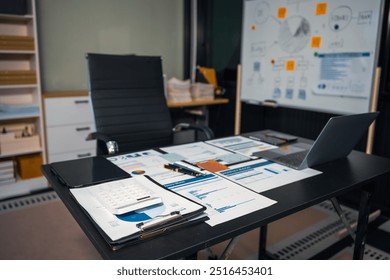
x=315, y=55
x=262, y=175
x=224, y=199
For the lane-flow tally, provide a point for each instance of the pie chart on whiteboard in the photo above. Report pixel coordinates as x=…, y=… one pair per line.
x=294, y=34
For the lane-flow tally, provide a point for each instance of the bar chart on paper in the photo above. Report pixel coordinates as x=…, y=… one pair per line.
x=262, y=175
x=224, y=199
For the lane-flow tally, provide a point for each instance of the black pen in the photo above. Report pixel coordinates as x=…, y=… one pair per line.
x=182, y=169
x=285, y=138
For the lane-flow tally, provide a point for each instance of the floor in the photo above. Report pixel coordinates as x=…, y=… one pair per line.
x=40, y=228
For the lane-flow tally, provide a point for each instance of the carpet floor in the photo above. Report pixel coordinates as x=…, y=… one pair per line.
x=45, y=230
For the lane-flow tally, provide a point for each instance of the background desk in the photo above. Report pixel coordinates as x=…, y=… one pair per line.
x=198, y=103
x=358, y=170
x=199, y=113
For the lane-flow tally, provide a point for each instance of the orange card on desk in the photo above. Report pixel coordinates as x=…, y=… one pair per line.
x=212, y=165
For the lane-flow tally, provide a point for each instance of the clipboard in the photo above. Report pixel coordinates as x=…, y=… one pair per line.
x=88, y=171
x=117, y=233
x=187, y=221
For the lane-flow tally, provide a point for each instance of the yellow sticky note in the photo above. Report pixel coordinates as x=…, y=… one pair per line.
x=316, y=42
x=282, y=12
x=321, y=8
x=290, y=65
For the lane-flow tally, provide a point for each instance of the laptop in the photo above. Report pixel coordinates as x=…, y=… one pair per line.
x=336, y=140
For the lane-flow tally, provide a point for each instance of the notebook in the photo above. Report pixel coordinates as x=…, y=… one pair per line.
x=87, y=171
x=336, y=140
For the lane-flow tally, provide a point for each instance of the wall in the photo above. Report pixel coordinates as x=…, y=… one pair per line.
x=69, y=29
x=225, y=39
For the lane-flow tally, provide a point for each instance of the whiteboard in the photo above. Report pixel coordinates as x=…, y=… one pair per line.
x=315, y=55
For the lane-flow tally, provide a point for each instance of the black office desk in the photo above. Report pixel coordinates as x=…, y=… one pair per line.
x=358, y=170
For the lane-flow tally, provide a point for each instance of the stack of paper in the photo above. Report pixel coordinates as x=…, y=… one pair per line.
x=16, y=77
x=202, y=91
x=7, y=172
x=11, y=42
x=178, y=90
x=18, y=109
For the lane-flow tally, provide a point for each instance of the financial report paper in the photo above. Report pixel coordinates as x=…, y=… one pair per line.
x=224, y=200
x=262, y=175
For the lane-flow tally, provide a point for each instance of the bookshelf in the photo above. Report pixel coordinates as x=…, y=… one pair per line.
x=22, y=139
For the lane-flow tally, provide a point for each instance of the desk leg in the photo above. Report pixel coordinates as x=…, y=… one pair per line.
x=362, y=226
x=263, y=243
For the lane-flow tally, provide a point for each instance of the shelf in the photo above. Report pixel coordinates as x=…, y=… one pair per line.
x=22, y=187
x=198, y=103
x=8, y=116
x=18, y=86
x=16, y=54
x=21, y=153
x=19, y=65
x=19, y=19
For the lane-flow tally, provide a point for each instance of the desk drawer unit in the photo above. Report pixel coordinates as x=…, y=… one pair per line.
x=71, y=155
x=68, y=122
x=67, y=110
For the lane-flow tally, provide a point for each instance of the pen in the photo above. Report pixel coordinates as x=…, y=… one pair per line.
x=254, y=138
x=277, y=137
x=182, y=170
x=285, y=138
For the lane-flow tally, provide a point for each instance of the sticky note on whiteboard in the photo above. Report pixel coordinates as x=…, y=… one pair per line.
x=316, y=42
x=290, y=65
x=282, y=12
x=321, y=8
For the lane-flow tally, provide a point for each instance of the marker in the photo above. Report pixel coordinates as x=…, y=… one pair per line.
x=182, y=170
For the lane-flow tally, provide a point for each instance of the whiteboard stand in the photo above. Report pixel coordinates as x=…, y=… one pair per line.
x=194, y=42
x=237, y=124
x=374, y=102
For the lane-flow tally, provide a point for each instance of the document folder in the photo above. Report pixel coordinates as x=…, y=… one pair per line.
x=87, y=171
x=121, y=230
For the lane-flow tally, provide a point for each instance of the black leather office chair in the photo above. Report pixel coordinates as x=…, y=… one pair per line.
x=128, y=102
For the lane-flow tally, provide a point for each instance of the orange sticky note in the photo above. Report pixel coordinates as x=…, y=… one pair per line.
x=321, y=8
x=316, y=42
x=212, y=165
x=282, y=12
x=290, y=65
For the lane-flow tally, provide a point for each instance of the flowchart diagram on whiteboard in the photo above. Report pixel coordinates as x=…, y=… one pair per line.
x=315, y=55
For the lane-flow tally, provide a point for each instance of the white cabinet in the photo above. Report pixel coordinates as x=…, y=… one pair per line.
x=20, y=103
x=68, y=122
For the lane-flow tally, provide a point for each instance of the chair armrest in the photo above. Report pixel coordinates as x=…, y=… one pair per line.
x=186, y=126
x=111, y=145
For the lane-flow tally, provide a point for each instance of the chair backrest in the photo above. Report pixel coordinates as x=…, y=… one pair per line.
x=128, y=100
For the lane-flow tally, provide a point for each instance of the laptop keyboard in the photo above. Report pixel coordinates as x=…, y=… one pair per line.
x=294, y=159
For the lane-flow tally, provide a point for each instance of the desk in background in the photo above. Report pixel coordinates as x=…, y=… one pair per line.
x=199, y=112
x=206, y=102
x=197, y=109
x=357, y=171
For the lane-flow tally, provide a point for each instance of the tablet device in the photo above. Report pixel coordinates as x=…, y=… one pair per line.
x=87, y=171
